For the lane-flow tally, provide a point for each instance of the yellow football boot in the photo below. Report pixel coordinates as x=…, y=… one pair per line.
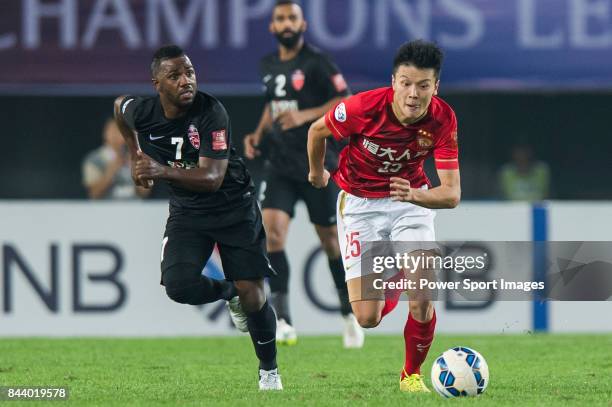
x=413, y=383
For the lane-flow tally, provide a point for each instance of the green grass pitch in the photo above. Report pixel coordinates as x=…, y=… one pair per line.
x=525, y=370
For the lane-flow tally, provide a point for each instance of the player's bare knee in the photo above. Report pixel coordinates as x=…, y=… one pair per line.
x=368, y=320
x=329, y=241
x=276, y=224
x=331, y=247
x=366, y=315
x=251, y=293
x=275, y=239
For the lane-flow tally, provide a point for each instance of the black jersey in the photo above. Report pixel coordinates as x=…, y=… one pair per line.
x=203, y=132
x=309, y=80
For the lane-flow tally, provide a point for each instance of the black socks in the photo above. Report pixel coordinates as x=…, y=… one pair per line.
x=262, y=328
x=337, y=270
x=279, y=285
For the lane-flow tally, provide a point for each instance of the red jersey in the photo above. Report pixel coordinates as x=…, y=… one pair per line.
x=380, y=147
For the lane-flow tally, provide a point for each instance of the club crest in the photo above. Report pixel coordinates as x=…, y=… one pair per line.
x=194, y=136
x=298, y=79
x=424, y=139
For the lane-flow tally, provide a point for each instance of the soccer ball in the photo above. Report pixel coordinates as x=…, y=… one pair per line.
x=460, y=372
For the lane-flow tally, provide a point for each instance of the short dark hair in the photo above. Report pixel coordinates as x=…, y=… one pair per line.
x=287, y=2
x=422, y=54
x=165, y=52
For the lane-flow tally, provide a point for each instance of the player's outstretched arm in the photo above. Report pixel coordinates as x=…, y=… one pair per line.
x=445, y=196
x=318, y=132
x=252, y=140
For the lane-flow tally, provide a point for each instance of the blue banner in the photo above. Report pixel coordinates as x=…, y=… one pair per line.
x=489, y=44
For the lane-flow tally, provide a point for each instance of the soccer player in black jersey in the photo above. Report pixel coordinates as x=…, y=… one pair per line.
x=185, y=137
x=301, y=84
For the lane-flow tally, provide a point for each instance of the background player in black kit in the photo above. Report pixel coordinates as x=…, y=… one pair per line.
x=301, y=84
x=186, y=140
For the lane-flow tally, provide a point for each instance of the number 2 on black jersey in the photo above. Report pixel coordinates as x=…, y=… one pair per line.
x=281, y=81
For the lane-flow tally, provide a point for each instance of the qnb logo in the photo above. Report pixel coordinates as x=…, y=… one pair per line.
x=84, y=280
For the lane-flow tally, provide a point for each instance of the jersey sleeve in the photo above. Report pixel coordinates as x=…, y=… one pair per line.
x=331, y=80
x=215, y=133
x=265, y=77
x=346, y=118
x=446, y=150
x=129, y=106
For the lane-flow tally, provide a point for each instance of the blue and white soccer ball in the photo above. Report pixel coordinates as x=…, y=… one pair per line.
x=460, y=372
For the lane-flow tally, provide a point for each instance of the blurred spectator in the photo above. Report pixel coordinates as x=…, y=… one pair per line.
x=106, y=170
x=524, y=178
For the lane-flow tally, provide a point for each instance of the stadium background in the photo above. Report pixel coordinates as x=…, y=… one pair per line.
x=529, y=71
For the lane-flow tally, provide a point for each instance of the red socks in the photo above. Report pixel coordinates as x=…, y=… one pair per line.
x=418, y=337
x=392, y=296
x=390, y=304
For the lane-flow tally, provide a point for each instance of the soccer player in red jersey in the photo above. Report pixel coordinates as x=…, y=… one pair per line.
x=386, y=195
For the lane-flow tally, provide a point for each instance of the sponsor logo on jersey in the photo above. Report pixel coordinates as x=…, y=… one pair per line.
x=219, y=142
x=194, y=136
x=339, y=82
x=279, y=106
x=182, y=164
x=298, y=79
x=153, y=138
x=340, y=113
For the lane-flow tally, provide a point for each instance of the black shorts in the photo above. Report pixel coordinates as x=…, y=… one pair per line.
x=279, y=192
x=239, y=235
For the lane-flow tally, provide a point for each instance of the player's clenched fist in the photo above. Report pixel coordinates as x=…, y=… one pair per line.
x=319, y=180
x=290, y=119
x=251, y=142
x=145, y=170
x=400, y=190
